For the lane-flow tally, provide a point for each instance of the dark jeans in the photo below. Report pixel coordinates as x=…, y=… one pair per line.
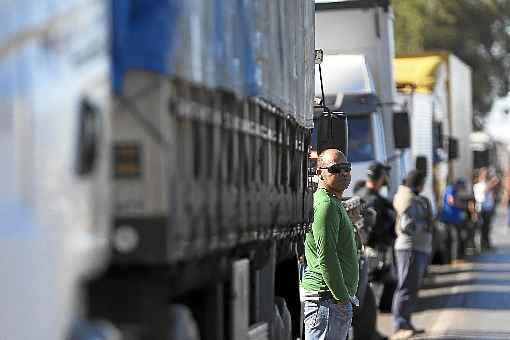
x=486, y=229
x=411, y=267
x=460, y=230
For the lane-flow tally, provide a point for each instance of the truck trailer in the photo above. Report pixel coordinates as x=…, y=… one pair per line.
x=209, y=108
x=211, y=117
x=436, y=89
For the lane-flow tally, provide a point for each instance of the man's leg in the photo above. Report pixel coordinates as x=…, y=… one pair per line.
x=340, y=321
x=421, y=261
x=459, y=227
x=508, y=218
x=325, y=320
x=486, y=223
x=489, y=229
x=407, y=288
x=316, y=320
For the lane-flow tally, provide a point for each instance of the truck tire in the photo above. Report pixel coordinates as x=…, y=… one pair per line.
x=366, y=319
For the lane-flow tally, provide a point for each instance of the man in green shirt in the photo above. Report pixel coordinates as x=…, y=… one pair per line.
x=331, y=277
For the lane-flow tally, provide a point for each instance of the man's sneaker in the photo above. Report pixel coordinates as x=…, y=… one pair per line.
x=402, y=334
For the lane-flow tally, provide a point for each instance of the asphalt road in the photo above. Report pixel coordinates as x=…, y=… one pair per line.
x=466, y=301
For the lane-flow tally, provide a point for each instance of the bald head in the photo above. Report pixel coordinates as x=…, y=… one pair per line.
x=330, y=156
x=335, y=181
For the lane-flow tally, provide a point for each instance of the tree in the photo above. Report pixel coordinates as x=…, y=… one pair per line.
x=477, y=31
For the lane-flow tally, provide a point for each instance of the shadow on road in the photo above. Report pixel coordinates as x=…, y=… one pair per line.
x=453, y=271
x=467, y=282
x=466, y=335
x=481, y=283
x=466, y=300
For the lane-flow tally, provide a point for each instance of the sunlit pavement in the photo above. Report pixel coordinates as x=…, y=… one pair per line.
x=468, y=300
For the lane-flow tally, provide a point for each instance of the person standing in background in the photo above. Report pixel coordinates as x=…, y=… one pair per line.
x=413, y=247
x=452, y=213
x=383, y=233
x=484, y=191
x=507, y=190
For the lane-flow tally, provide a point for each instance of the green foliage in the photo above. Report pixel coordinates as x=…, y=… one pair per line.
x=477, y=31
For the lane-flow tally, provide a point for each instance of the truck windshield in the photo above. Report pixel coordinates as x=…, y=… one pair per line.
x=361, y=142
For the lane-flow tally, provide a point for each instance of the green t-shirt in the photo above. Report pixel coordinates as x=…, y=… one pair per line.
x=330, y=249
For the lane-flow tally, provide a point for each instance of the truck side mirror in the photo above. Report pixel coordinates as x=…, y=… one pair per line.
x=481, y=158
x=453, y=148
x=438, y=134
x=332, y=132
x=421, y=164
x=401, y=130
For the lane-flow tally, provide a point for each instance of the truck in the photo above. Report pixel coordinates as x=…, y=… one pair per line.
x=154, y=184
x=155, y=180
x=211, y=117
x=370, y=27
x=349, y=88
x=436, y=90
x=55, y=164
x=358, y=71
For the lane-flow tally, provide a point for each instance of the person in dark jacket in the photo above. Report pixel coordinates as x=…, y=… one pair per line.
x=383, y=234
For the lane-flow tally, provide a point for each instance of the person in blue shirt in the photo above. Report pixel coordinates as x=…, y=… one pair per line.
x=453, y=213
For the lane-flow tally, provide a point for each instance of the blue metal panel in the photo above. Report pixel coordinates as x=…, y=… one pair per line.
x=143, y=37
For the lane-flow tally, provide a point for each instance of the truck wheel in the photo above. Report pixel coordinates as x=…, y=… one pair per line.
x=366, y=320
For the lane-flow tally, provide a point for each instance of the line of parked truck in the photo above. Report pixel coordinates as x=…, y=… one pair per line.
x=407, y=111
x=156, y=155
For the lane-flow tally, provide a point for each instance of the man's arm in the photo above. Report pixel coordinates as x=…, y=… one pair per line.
x=493, y=183
x=325, y=220
x=407, y=221
x=387, y=204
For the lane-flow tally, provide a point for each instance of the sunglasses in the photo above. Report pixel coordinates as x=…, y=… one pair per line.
x=338, y=168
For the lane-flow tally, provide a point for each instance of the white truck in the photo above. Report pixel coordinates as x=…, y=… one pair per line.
x=366, y=29
x=55, y=164
x=436, y=89
x=348, y=87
